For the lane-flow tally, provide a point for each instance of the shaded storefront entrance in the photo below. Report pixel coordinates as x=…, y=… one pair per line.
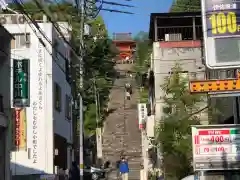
x=2, y=151
x=60, y=149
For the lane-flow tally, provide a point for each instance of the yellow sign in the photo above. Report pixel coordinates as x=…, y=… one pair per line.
x=224, y=23
x=23, y=129
x=20, y=132
x=223, y=85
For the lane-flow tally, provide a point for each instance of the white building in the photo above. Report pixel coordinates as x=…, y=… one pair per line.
x=49, y=116
x=5, y=106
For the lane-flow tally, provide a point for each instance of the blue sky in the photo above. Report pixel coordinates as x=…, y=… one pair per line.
x=117, y=22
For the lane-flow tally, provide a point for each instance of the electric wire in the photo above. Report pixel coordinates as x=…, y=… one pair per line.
x=57, y=28
x=33, y=22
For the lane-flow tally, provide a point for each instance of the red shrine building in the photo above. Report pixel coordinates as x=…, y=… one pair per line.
x=126, y=45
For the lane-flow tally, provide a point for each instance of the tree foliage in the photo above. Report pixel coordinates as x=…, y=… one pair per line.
x=98, y=52
x=143, y=51
x=142, y=61
x=99, y=71
x=186, y=6
x=181, y=110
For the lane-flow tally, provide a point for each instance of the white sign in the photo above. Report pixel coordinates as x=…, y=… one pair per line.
x=221, y=33
x=142, y=114
x=216, y=147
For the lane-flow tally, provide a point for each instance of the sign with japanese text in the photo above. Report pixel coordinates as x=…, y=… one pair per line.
x=223, y=17
x=35, y=132
x=21, y=86
x=221, y=29
x=20, y=129
x=142, y=115
x=216, y=147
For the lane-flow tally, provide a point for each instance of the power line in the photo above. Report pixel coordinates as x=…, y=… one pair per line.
x=32, y=22
x=57, y=28
x=117, y=4
x=114, y=4
x=116, y=11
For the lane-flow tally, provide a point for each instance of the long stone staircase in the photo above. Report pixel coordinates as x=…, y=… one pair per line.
x=121, y=134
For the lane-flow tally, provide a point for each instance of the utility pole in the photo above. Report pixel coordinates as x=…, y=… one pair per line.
x=98, y=129
x=81, y=14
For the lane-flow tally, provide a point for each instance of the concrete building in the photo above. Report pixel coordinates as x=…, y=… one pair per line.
x=177, y=38
x=48, y=129
x=5, y=106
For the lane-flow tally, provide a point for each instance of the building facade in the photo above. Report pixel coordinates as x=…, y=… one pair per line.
x=5, y=106
x=177, y=38
x=46, y=143
x=126, y=47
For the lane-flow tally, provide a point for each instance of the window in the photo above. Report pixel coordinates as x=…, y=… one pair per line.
x=20, y=41
x=57, y=97
x=68, y=107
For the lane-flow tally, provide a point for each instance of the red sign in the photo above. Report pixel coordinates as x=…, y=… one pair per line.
x=17, y=127
x=213, y=132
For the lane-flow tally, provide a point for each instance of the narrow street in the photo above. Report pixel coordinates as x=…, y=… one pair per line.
x=121, y=135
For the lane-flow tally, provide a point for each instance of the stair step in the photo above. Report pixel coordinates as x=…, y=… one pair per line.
x=116, y=130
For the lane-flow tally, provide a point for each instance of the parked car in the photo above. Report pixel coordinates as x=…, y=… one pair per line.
x=93, y=173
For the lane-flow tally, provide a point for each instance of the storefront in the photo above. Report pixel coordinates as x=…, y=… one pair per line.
x=2, y=150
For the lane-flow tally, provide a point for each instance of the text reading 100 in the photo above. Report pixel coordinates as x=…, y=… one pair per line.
x=224, y=23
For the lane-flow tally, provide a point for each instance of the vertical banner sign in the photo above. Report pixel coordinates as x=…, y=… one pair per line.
x=17, y=128
x=21, y=96
x=216, y=147
x=142, y=115
x=221, y=31
x=99, y=142
x=23, y=130
x=20, y=129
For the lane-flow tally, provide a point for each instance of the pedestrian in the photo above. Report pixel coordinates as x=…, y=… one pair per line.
x=128, y=95
x=74, y=173
x=124, y=169
x=117, y=168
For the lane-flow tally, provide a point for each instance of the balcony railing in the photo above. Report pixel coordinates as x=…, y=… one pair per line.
x=184, y=32
x=1, y=104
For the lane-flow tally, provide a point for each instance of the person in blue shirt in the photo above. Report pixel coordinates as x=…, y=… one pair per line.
x=124, y=169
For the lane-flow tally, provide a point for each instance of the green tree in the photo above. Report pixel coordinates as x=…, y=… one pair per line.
x=99, y=71
x=143, y=51
x=186, y=6
x=142, y=61
x=98, y=53
x=181, y=110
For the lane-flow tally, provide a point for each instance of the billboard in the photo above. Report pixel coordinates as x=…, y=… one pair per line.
x=216, y=147
x=20, y=127
x=221, y=31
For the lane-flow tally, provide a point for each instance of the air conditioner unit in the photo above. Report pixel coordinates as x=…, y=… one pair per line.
x=173, y=37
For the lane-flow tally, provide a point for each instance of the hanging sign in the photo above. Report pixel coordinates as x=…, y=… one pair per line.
x=142, y=115
x=20, y=129
x=21, y=96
